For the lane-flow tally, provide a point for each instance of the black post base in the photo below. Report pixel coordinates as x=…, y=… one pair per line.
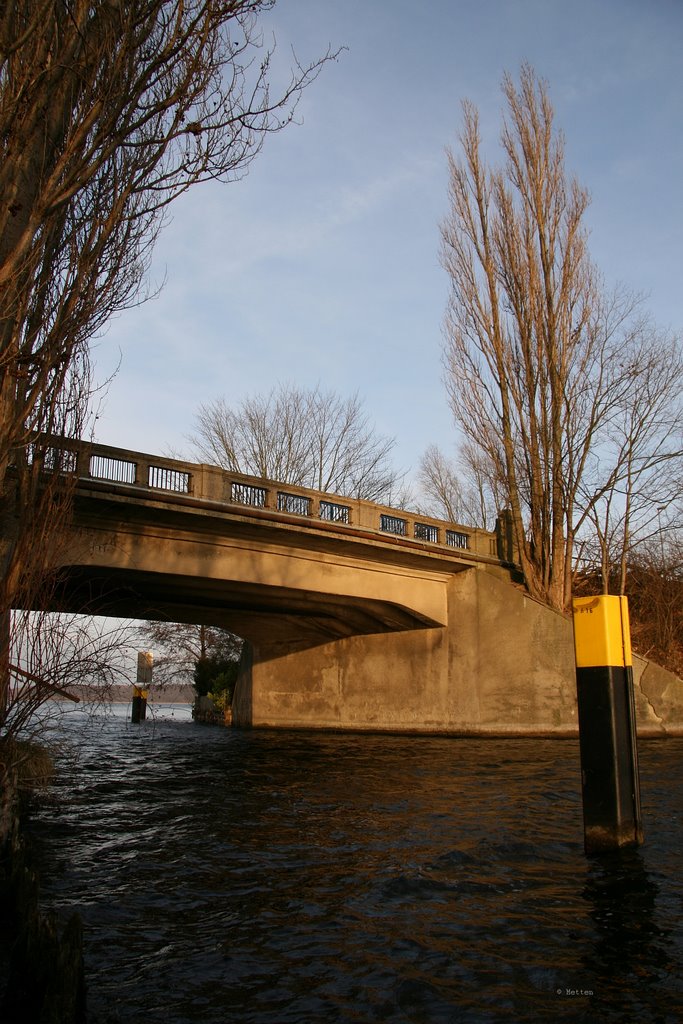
x=609, y=766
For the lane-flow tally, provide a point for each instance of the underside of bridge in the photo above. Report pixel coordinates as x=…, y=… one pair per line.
x=268, y=616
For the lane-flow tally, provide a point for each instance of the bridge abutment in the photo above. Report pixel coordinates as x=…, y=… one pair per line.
x=502, y=664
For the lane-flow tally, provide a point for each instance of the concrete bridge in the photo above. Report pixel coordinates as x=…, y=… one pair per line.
x=356, y=616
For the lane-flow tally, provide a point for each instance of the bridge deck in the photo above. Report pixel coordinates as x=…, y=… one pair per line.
x=161, y=538
x=137, y=474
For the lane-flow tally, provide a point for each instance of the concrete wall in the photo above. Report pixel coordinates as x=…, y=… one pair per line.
x=659, y=699
x=503, y=665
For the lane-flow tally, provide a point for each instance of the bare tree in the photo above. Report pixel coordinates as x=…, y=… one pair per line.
x=632, y=491
x=56, y=656
x=440, y=486
x=309, y=438
x=52, y=660
x=264, y=436
x=540, y=360
x=655, y=595
x=458, y=490
x=34, y=516
x=108, y=113
x=656, y=600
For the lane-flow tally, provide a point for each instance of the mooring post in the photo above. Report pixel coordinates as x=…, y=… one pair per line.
x=139, y=712
x=145, y=663
x=607, y=724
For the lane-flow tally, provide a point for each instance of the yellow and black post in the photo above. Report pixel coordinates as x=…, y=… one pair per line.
x=139, y=712
x=607, y=726
x=145, y=665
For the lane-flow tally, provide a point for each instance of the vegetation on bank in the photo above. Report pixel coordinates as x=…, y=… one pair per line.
x=215, y=676
x=32, y=764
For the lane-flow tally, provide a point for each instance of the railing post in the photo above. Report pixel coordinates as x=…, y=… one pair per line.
x=83, y=460
x=211, y=483
x=505, y=540
x=141, y=472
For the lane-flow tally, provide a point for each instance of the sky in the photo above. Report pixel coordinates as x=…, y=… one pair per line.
x=321, y=266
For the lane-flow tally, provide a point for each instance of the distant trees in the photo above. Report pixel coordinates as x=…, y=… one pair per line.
x=655, y=596
x=638, y=467
x=206, y=656
x=307, y=437
x=459, y=490
x=570, y=397
x=108, y=113
x=179, y=647
x=216, y=677
x=656, y=601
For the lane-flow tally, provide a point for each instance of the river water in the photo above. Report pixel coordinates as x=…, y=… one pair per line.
x=274, y=877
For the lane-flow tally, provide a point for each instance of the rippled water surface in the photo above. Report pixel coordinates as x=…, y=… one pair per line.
x=275, y=877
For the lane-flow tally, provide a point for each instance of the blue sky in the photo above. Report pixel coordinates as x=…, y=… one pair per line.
x=321, y=266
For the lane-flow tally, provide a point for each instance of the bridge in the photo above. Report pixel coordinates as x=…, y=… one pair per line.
x=277, y=564
x=356, y=615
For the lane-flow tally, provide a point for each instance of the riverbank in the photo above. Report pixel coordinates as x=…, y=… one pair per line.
x=122, y=693
x=42, y=976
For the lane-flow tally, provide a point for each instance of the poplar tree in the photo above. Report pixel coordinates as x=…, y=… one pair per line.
x=543, y=366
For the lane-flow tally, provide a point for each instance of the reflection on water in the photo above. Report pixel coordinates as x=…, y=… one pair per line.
x=228, y=876
x=631, y=944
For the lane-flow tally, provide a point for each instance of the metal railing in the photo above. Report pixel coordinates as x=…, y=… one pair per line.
x=161, y=478
x=333, y=512
x=427, y=531
x=248, y=494
x=393, y=524
x=53, y=459
x=118, y=471
x=297, y=504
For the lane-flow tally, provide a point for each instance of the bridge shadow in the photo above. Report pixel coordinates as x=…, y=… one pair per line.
x=272, y=617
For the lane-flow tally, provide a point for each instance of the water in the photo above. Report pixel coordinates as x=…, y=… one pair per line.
x=276, y=877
